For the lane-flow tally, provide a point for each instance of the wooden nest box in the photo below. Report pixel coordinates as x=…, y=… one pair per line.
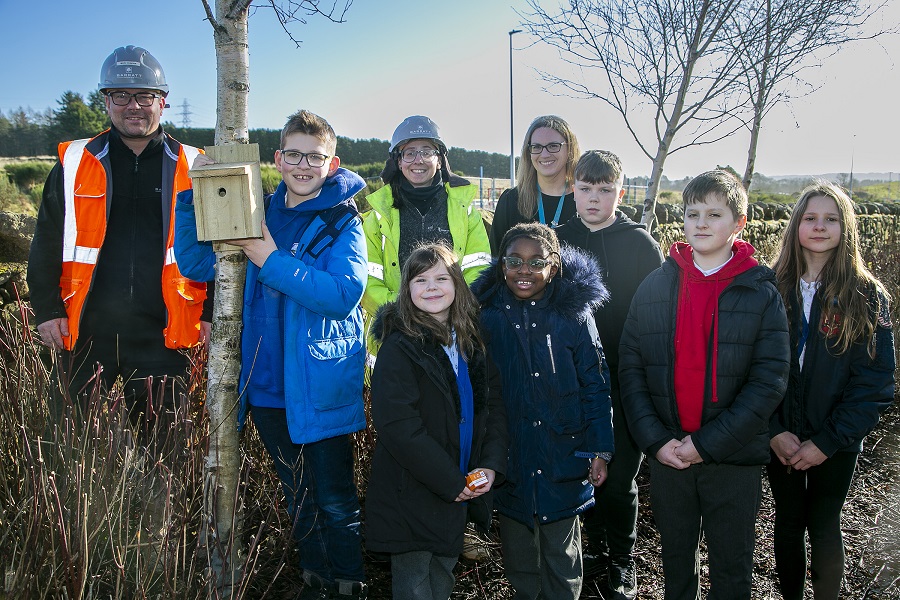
x=228, y=197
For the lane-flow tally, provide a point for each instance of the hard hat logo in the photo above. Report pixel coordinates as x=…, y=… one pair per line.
x=416, y=127
x=132, y=67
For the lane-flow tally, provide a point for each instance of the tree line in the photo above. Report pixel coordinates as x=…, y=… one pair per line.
x=25, y=132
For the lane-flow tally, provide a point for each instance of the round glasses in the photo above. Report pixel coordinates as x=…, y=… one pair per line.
x=552, y=147
x=535, y=264
x=295, y=157
x=124, y=98
x=410, y=155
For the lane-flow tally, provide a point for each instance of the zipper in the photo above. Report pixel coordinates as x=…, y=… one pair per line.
x=550, y=350
x=134, y=213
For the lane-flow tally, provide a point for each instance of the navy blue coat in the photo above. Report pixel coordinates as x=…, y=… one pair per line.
x=555, y=386
x=836, y=399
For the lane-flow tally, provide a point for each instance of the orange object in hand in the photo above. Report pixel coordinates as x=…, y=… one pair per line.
x=476, y=479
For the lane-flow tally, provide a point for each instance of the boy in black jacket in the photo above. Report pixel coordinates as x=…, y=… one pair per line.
x=626, y=254
x=703, y=362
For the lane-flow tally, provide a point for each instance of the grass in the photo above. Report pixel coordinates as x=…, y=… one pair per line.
x=94, y=506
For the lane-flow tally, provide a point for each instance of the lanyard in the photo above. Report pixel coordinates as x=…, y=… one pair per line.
x=804, y=332
x=559, y=206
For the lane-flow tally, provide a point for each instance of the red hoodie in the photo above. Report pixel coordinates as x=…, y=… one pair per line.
x=697, y=316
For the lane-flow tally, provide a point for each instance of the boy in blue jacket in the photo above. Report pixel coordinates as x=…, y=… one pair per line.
x=302, y=345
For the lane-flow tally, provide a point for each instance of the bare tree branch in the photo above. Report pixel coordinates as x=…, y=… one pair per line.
x=294, y=11
x=778, y=40
x=674, y=57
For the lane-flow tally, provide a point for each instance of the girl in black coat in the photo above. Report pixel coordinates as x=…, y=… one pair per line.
x=842, y=378
x=437, y=410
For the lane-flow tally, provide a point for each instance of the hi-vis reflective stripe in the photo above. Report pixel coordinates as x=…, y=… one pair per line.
x=376, y=270
x=478, y=259
x=190, y=153
x=71, y=160
x=170, y=256
x=81, y=254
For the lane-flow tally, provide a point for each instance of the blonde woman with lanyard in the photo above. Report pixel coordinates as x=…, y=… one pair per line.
x=543, y=189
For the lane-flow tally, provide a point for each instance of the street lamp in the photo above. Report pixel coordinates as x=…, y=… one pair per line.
x=512, y=142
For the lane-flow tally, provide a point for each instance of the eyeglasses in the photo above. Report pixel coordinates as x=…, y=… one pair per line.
x=426, y=154
x=552, y=147
x=535, y=264
x=295, y=157
x=124, y=98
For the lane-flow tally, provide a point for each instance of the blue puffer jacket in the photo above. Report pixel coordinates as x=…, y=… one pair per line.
x=319, y=371
x=555, y=385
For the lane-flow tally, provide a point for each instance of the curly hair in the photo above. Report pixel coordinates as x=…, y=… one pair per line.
x=542, y=234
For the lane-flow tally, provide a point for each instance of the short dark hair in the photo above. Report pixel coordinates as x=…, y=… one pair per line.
x=721, y=183
x=312, y=124
x=598, y=166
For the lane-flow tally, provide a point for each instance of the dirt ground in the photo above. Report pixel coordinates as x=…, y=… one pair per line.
x=871, y=526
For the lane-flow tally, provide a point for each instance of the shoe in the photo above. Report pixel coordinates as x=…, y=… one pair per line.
x=594, y=565
x=345, y=590
x=622, y=578
x=314, y=587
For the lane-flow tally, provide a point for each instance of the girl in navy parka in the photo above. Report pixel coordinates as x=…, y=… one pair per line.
x=537, y=304
x=842, y=378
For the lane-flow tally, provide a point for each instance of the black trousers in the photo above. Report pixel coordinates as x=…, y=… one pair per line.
x=154, y=377
x=610, y=524
x=722, y=502
x=810, y=502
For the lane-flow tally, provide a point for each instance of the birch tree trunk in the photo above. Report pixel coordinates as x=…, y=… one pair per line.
x=222, y=469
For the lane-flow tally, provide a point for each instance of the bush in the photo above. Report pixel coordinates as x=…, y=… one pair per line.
x=367, y=170
x=270, y=178
x=28, y=174
x=12, y=199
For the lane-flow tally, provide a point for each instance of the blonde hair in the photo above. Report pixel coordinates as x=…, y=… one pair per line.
x=526, y=180
x=846, y=286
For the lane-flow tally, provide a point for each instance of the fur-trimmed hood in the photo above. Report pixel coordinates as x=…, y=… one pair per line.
x=387, y=318
x=575, y=293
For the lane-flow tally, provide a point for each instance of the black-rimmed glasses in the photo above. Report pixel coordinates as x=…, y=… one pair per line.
x=295, y=157
x=534, y=264
x=144, y=99
x=552, y=147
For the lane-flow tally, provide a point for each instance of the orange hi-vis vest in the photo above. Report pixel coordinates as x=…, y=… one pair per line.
x=87, y=204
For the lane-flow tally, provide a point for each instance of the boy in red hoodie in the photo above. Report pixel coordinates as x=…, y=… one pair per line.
x=703, y=363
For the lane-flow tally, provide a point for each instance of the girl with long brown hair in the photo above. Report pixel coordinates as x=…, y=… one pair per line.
x=441, y=426
x=842, y=378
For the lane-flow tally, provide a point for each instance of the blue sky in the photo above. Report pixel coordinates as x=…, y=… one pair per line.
x=448, y=60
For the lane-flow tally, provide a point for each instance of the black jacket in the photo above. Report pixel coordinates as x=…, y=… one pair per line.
x=507, y=214
x=415, y=468
x=752, y=368
x=626, y=254
x=836, y=399
x=555, y=388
